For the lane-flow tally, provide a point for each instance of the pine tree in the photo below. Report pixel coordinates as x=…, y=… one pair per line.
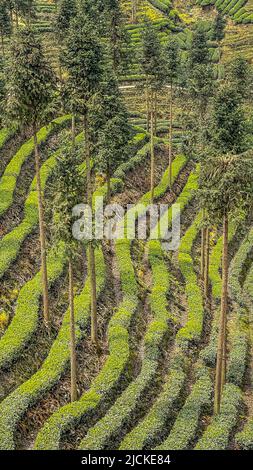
x=30, y=90
x=199, y=53
x=118, y=38
x=227, y=127
x=218, y=27
x=83, y=61
x=5, y=22
x=66, y=11
x=111, y=129
x=26, y=9
x=67, y=192
x=239, y=74
x=153, y=68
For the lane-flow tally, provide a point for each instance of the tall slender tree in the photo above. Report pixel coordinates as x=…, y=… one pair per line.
x=198, y=53
x=226, y=185
x=152, y=64
x=172, y=63
x=119, y=43
x=200, y=80
x=111, y=129
x=83, y=61
x=240, y=75
x=30, y=89
x=67, y=10
x=67, y=192
x=218, y=27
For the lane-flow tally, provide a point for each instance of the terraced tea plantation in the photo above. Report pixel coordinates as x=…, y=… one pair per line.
x=141, y=339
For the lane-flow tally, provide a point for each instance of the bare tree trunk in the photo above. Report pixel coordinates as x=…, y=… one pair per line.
x=91, y=258
x=2, y=40
x=134, y=9
x=220, y=377
x=73, y=362
x=73, y=131
x=147, y=107
x=152, y=151
x=207, y=250
x=170, y=136
x=94, y=323
x=155, y=113
x=108, y=178
x=203, y=247
x=16, y=18
x=42, y=233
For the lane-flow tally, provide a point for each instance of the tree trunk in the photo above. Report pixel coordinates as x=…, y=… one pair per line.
x=155, y=114
x=114, y=40
x=91, y=260
x=42, y=233
x=73, y=362
x=92, y=270
x=73, y=131
x=220, y=377
x=170, y=136
x=203, y=248
x=16, y=18
x=108, y=178
x=152, y=151
x=147, y=107
x=207, y=250
x=2, y=41
x=134, y=11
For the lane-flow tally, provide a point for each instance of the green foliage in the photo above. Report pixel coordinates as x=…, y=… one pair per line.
x=5, y=134
x=152, y=57
x=119, y=416
x=227, y=132
x=110, y=127
x=5, y=21
x=14, y=406
x=12, y=171
x=163, y=411
x=66, y=194
x=185, y=427
x=218, y=28
x=119, y=46
x=239, y=74
x=172, y=59
x=116, y=367
x=217, y=434
x=30, y=86
x=82, y=59
x=198, y=53
x=66, y=11
x=226, y=184
x=192, y=331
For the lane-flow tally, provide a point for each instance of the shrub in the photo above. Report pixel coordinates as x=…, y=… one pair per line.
x=162, y=412
x=217, y=434
x=12, y=171
x=117, y=364
x=186, y=425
